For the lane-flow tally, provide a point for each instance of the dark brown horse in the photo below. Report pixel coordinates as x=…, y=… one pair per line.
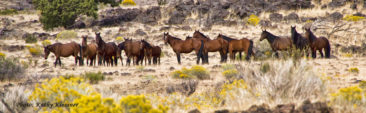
x=185, y=46
x=299, y=41
x=151, y=52
x=277, y=43
x=317, y=44
x=89, y=51
x=107, y=51
x=134, y=50
x=64, y=50
x=241, y=45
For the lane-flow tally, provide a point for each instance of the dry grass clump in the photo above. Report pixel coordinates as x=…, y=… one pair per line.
x=10, y=69
x=67, y=34
x=281, y=82
x=14, y=98
x=93, y=77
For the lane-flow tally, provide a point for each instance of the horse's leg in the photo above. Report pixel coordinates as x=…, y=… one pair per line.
x=231, y=56
x=59, y=60
x=313, y=53
x=240, y=56
x=56, y=61
x=178, y=58
x=321, y=53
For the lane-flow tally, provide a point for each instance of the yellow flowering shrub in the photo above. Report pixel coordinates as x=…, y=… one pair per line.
x=35, y=50
x=230, y=74
x=2, y=55
x=128, y=2
x=95, y=104
x=139, y=104
x=119, y=39
x=198, y=72
x=253, y=20
x=46, y=42
x=309, y=21
x=230, y=88
x=353, y=18
x=353, y=94
x=60, y=89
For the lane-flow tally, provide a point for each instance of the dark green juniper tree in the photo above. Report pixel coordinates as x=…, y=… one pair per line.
x=55, y=13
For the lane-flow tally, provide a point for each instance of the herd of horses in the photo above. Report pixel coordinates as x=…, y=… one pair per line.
x=109, y=53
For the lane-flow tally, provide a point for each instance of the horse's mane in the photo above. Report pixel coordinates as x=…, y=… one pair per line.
x=174, y=37
x=146, y=43
x=204, y=36
x=270, y=35
x=311, y=35
x=227, y=38
x=188, y=37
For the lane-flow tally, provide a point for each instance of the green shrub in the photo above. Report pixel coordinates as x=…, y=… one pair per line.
x=52, y=16
x=253, y=20
x=8, y=11
x=140, y=68
x=161, y=2
x=265, y=67
x=67, y=34
x=196, y=72
x=94, y=77
x=10, y=69
x=29, y=38
x=227, y=67
x=353, y=70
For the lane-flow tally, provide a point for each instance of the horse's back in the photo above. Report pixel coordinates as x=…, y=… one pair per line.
x=283, y=43
x=68, y=49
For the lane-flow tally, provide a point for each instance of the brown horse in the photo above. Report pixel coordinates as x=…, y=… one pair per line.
x=242, y=45
x=89, y=51
x=133, y=49
x=107, y=51
x=64, y=50
x=317, y=44
x=218, y=44
x=185, y=46
x=277, y=43
x=299, y=41
x=151, y=52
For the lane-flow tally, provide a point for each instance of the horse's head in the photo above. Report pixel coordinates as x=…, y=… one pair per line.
x=47, y=51
x=165, y=37
x=307, y=33
x=263, y=35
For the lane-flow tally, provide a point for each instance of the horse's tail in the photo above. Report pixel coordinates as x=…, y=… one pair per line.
x=81, y=61
x=250, y=50
x=200, y=51
x=327, y=49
